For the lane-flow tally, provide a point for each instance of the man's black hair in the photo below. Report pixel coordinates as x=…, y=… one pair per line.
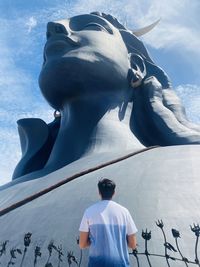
x=106, y=188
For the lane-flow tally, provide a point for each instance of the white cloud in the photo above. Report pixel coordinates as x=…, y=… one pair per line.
x=190, y=96
x=31, y=23
x=9, y=153
x=179, y=26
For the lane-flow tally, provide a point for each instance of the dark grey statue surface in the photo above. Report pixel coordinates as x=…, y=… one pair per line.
x=108, y=93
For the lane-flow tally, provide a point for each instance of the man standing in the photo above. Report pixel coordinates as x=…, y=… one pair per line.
x=108, y=229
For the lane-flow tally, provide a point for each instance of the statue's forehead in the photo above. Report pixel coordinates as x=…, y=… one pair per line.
x=77, y=22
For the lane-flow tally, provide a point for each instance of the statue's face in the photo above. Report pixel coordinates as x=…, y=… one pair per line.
x=84, y=55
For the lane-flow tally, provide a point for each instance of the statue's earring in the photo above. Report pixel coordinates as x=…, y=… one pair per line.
x=57, y=114
x=137, y=71
x=134, y=78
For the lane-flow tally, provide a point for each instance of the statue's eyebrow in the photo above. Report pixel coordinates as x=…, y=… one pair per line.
x=105, y=27
x=104, y=23
x=92, y=19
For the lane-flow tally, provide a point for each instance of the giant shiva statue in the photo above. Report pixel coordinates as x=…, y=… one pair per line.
x=116, y=116
x=108, y=94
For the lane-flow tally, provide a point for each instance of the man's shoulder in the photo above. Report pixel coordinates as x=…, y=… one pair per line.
x=109, y=205
x=93, y=207
x=119, y=207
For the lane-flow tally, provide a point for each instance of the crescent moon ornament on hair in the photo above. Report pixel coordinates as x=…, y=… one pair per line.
x=146, y=29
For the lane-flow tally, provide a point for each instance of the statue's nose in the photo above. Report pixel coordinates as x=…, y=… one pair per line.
x=55, y=28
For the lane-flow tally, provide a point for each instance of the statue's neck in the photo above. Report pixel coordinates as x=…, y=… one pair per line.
x=88, y=129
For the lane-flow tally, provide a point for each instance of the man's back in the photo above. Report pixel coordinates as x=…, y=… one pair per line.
x=108, y=224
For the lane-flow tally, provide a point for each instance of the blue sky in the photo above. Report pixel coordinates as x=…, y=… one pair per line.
x=174, y=45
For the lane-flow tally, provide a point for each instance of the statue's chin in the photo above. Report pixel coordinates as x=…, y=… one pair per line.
x=67, y=78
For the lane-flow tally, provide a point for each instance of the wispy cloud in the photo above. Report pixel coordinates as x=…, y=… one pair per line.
x=31, y=23
x=9, y=154
x=190, y=96
x=179, y=26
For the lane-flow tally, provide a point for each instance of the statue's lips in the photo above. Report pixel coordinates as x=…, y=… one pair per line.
x=59, y=42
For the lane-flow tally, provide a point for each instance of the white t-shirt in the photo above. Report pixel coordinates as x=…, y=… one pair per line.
x=108, y=224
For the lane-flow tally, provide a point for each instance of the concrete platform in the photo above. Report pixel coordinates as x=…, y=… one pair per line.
x=162, y=183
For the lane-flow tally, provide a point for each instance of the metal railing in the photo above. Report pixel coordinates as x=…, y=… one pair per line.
x=16, y=255
x=168, y=247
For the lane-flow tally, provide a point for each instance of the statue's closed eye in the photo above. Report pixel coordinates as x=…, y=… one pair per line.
x=97, y=27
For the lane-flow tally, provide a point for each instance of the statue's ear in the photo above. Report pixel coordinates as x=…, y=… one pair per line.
x=137, y=70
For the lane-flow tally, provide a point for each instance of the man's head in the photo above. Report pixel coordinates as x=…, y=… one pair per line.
x=106, y=188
